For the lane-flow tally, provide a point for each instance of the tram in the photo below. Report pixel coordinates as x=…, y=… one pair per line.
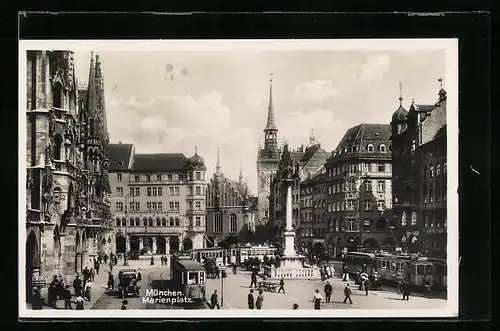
x=355, y=261
x=240, y=254
x=216, y=253
x=189, y=277
x=412, y=268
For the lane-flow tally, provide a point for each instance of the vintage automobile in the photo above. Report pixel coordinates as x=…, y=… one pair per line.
x=127, y=283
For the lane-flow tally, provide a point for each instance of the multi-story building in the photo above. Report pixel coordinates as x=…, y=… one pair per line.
x=158, y=200
x=67, y=187
x=419, y=176
x=312, y=227
x=268, y=159
x=308, y=161
x=358, y=182
x=230, y=209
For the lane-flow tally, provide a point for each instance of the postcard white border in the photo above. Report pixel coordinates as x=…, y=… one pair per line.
x=450, y=46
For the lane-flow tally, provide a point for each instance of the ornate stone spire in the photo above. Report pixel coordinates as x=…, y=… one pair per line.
x=401, y=93
x=241, y=173
x=271, y=125
x=218, y=167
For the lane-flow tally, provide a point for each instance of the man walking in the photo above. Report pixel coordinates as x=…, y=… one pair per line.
x=251, y=302
x=282, y=285
x=328, y=291
x=347, y=293
x=67, y=298
x=214, y=300
x=259, y=301
x=77, y=286
x=253, y=283
x=406, y=290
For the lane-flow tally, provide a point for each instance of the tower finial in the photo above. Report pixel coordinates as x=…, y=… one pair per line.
x=271, y=125
x=241, y=172
x=312, y=139
x=400, y=93
x=217, y=167
x=440, y=80
x=195, y=150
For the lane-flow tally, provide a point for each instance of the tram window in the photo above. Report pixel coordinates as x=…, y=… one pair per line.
x=184, y=278
x=397, y=266
x=393, y=266
x=220, y=254
x=202, y=277
x=403, y=267
x=193, y=278
x=420, y=269
x=428, y=269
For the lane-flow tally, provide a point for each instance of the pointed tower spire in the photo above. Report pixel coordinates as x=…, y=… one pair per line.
x=400, y=93
x=241, y=173
x=92, y=97
x=312, y=139
x=218, y=167
x=271, y=125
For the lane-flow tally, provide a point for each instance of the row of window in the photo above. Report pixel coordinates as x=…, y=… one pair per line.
x=217, y=226
x=434, y=170
x=432, y=221
x=310, y=217
x=197, y=175
x=158, y=191
x=198, y=221
x=382, y=148
x=359, y=167
x=311, y=232
x=151, y=206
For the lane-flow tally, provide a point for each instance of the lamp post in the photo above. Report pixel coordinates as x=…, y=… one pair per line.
x=125, y=259
x=222, y=291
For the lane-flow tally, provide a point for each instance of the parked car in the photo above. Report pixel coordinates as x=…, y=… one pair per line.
x=127, y=283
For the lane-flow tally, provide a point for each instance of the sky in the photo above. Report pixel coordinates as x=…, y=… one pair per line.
x=170, y=102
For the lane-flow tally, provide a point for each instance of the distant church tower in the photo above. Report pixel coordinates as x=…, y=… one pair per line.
x=268, y=160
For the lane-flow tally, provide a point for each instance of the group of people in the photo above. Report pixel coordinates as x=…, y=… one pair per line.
x=164, y=260
x=327, y=272
x=255, y=303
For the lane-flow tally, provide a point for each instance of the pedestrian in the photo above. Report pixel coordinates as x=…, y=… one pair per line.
x=345, y=274
x=67, y=298
x=124, y=304
x=111, y=281
x=322, y=273
x=251, y=301
x=317, y=298
x=325, y=268
x=79, y=302
x=99, y=259
x=105, y=258
x=97, y=266
x=86, y=274
x=366, y=284
x=162, y=260
x=295, y=306
x=37, y=301
x=347, y=293
x=53, y=290
x=92, y=274
x=406, y=290
x=282, y=285
x=253, y=283
x=88, y=290
x=60, y=287
x=139, y=275
x=328, y=291
x=260, y=300
x=77, y=286
x=214, y=300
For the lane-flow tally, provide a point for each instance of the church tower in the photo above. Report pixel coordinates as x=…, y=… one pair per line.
x=268, y=160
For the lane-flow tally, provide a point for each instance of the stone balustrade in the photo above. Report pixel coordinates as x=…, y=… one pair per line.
x=293, y=273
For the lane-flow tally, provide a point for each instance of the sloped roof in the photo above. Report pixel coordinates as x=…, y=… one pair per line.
x=159, y=162
x=119, y=155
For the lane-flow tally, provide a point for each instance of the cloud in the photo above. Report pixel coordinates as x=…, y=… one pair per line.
x=316, y=91
x=297, y=126
x=374, y=68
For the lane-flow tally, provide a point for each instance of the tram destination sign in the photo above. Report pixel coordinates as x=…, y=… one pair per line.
x=39, y=281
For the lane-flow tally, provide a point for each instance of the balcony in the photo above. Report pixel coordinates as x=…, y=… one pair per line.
x=195, y=228
x=191, y=196
x=430, y=231
x=196, y=212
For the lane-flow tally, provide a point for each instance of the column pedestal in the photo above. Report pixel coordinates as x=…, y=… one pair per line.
x=154, y=248
x=141, y=243
x=167, y=246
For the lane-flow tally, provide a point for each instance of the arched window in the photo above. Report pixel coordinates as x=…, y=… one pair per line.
x=118, y=221
x=137, y=221
x=171, y=221
x=163, y=221
x=70, y=197
x=144, y=221
x=131, y=222
x=124, y=221
x=57, y=95
x=177, y=221
x=383, y=149
x=158, y=221
x=370, y=148
x=217, y=226
x=150, y=222
x=403, y=218
x=58, y=146
x=413, y=220
x=232, y=224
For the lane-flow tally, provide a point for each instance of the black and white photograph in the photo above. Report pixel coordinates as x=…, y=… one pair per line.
x=208, y=178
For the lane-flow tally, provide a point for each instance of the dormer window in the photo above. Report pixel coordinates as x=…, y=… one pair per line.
x=370, y=148
x=383, y=149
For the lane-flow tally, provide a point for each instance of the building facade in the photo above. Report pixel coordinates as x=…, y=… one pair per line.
x=67, y=181
x=312, y=227
x=158, y=201
x=230, y=209
x=358, y=184
x=420, y=177
x=268, y=159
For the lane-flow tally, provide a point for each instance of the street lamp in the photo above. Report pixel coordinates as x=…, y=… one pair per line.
x=125, y=259
x=222, y=290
